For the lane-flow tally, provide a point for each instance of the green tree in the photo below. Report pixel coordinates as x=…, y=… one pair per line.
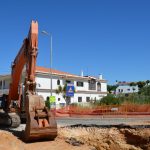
x=133, y=84
x=145, y=90
x=141, y=84
x=147, y=82
x=61, y=90
x=111, y=88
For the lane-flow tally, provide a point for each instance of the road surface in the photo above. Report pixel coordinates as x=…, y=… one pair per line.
x=102, y=121
x=95, y=120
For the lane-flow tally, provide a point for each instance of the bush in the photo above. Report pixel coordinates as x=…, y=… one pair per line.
x=134, y=99
x=110, y=100
x=145, y=91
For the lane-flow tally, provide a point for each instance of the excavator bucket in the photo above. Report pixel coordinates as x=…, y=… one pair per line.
x=41, y=123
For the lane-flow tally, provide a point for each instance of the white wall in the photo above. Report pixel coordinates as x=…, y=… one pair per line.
x=79, y=88
x=92, y=96
x=45, y=82
x=74, y=99
x=126, y=89
x=47, y=94
x=43, y=88
x=103, y=87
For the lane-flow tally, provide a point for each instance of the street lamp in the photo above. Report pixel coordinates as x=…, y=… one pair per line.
x=50, y=71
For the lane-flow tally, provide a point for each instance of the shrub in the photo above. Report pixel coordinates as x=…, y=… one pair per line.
x=110, y=100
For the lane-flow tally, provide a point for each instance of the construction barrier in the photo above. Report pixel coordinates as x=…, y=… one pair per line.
x=126, y=109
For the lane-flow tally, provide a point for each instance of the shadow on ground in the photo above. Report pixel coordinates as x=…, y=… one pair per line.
x=15, y=132
x=119, y=126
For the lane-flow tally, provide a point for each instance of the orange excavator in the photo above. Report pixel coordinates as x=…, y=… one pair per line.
x=40, y=122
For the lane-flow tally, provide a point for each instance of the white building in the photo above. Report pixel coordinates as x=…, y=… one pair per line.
x=87, y=88
x=125, y=88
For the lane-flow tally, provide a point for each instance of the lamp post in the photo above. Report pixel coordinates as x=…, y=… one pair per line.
x=50, y=71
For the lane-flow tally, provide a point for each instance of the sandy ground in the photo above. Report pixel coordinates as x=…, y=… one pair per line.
x=9, y=141
x=111, y=138
x=84, y=138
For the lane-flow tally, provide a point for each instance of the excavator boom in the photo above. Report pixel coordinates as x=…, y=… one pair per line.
x=26, y=56
x=40, y=122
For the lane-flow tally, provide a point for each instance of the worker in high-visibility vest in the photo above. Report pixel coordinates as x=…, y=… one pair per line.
x=52, y=101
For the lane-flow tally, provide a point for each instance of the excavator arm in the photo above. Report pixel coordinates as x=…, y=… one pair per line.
x=40, y=122
x=26, y=56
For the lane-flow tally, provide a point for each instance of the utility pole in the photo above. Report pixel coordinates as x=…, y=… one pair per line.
x=50, y=70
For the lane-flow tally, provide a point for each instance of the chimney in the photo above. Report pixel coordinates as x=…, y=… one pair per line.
x=81, y=73
x=100, y=76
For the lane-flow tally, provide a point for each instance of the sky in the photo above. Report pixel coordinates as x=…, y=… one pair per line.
x=108, y=37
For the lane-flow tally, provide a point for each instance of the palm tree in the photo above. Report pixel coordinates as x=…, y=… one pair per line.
x=59, y=90
x=62, y=90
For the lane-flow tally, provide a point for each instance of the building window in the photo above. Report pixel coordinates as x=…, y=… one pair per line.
x=98, y=86
x=92, y=84
x=128, y=89
x=58, y=99
x=80, y=84
x=79, y=99
x=68, y=81
x=58, y=82
x=87, y=99
x=120, y=90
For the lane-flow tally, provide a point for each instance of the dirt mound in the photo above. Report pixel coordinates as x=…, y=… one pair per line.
x=139, y=137
x=110, y=139
x=9, y=141
x=84, y=138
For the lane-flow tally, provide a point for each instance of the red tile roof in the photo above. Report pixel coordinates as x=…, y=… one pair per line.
x=57, y=72
x=123, y=83
x=47, y=70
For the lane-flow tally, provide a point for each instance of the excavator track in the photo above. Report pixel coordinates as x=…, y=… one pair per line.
x=9, y=119
x=15, y=120
x=5, y=120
